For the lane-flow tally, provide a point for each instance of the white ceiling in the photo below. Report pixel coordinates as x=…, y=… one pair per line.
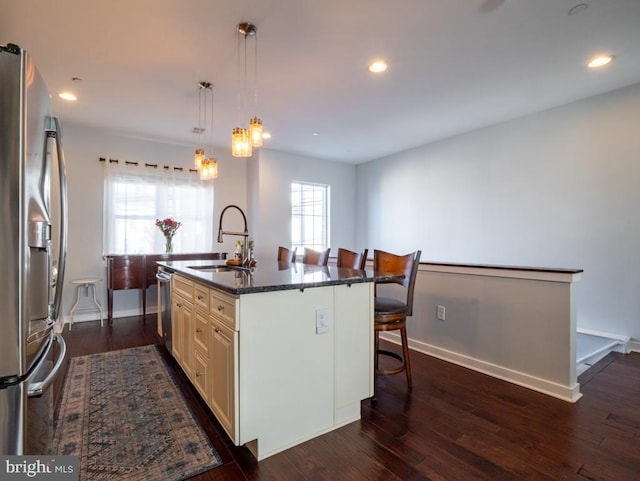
x=454, y=65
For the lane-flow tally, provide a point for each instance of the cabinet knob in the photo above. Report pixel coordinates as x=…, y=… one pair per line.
x=221, y=308
x=178, y=304
x=197, y=374
x=200, y=297
x=198, y=330
x=216, y=329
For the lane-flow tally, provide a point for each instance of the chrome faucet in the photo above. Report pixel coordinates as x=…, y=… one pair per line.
x=245, y=234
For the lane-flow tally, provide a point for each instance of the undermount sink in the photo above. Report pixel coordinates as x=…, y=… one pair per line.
x=215, y=268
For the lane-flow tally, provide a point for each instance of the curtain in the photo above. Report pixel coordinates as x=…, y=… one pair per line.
x=135, y=196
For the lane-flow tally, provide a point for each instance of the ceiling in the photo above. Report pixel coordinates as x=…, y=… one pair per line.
x=454, y=65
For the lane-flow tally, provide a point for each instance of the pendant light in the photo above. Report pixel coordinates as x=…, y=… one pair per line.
x=199, y=156
x=244, y=139
x=255, y=127
x=207, y=166
x=241, y=143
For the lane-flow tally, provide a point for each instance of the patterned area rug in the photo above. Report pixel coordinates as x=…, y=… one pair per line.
x=124, y=417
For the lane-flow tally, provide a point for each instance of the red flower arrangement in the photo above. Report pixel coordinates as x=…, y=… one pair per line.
x=168, y=226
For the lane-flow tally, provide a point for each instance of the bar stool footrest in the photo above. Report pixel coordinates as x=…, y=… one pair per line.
x=394, y=355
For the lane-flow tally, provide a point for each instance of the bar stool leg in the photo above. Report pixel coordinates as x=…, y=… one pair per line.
x=73, y=309
x=97, y=304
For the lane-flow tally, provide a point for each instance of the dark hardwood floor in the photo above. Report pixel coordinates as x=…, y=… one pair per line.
x=456, y=424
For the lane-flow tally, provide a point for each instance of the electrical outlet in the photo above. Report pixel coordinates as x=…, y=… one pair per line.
x=441, y=312
x=322, y=321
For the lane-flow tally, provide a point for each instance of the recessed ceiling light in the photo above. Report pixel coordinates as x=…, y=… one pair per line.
x=377, y=66
x=315, y=134
x=600, y=61
x=68, y=96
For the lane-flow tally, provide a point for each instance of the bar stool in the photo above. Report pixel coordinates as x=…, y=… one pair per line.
x=390, y=313
x=86, y=284
x=286, y=255
x=316, y=258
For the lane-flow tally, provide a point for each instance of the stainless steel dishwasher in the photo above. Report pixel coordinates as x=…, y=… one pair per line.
x=164, y=299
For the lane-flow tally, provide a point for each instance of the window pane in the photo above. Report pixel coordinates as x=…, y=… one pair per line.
x=136, y=196
x=309, y=215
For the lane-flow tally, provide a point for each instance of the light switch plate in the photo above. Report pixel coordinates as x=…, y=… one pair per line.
x=322, y=321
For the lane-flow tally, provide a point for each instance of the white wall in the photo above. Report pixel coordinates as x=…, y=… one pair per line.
x=271, y=179
x=259, y=185
x=83, y=146
x=555, y=189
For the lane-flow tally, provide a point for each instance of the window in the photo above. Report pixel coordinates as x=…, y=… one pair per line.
x=309, y=215
x=134, y=197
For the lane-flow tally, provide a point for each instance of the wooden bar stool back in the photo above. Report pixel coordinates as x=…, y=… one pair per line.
x=391, y=314
x=316, y=258
x=286, y=255
x=352, y=260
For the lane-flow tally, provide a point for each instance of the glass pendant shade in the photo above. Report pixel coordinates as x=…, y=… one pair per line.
x=241, y=143
x=209, y=169
x=255, y=126
x=199, y=158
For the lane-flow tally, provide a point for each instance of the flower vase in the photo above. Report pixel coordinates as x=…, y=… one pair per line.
x=168, y=246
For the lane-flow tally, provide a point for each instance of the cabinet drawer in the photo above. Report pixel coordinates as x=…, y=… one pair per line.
x=126, y=272
x=201, y=298
x=183, y=287
x=223, y=307
x=201, y=374
x=201, y=332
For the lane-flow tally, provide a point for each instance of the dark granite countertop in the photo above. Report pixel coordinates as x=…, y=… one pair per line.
x=270, y=276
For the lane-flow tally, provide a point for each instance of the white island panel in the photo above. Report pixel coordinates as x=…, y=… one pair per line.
x=354, y=349
x=286, y=369
x=295, y=382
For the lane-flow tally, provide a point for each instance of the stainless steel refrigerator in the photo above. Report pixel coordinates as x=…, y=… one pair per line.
x=32, y=251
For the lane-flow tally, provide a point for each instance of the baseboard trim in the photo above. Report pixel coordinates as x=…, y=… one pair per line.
x=634, y=346
x=95, y=316
x=566, y=393
x=622, y=342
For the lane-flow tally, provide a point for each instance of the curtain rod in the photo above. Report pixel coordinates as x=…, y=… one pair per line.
x=155, y=166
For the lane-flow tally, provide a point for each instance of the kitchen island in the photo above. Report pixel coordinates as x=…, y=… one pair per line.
x=281, y=354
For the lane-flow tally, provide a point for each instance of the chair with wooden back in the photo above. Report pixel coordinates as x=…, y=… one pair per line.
x=286, y=255
x=350, y=259
x=391, y=314
x=316, y=258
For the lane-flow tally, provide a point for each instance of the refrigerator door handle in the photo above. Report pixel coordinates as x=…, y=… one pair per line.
x=36, y=389
x=56, y=132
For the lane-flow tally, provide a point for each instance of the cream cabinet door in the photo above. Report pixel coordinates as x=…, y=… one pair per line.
x=182, y=320
x=176, y=329
x=201, y=378
x=222, y=364
x=187, y=337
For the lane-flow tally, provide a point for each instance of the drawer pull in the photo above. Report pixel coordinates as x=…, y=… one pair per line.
x=221, y=308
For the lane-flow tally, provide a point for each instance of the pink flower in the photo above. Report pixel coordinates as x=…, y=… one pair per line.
x=168, y=226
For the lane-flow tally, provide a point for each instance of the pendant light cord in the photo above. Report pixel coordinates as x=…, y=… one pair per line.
x=244, y=88
x=238, y=86
x=255, y=71
x=200, y=110
x=211, y=120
